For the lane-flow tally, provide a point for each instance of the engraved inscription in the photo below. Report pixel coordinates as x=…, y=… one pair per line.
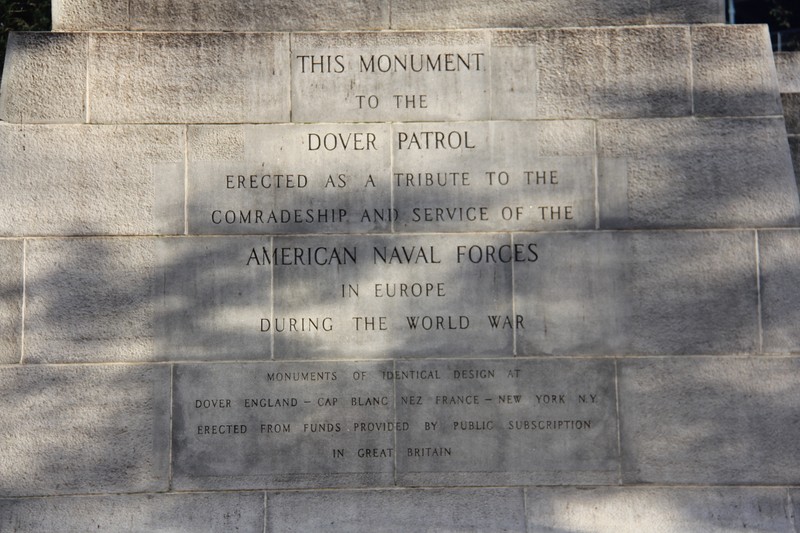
x=424, y=417
x=427, y=177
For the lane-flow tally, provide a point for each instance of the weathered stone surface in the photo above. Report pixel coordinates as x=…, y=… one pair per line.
x=11, y=265
x=289, y=178
x=81, y=15
x=134, y=513
x=208, y=302
x=634, y=72
x=734, y=73
x=791, y=112
x=779, y=256
x=89, y=180
x=84, y=429
x=89, y=300
x=722, y=420
x=696, y=11
x=787, y=64
x=282, y=15
x=44, y=79
x=390, y=76
x=189, y=77
x=496, y=176
x=686, y=172
x=254, y=425
x=638, y=293
x=666, y=510
x=426, y=295
x=397, y=511
x=794, y=145
x=430, y=14
x=507, y=422
x=259, y=15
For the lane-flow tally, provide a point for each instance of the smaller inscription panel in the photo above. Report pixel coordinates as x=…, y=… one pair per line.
x=388, y=295
x=376, y=77
x=289, y=179
x=256, y=425
x=493, y=176
x=485, y=422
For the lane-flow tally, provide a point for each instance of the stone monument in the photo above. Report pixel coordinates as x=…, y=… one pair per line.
x=397, y=265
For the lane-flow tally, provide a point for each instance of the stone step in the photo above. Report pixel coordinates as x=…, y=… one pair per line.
x=631, y=72
x=518, y=510
x=449, y=177
x=564, y=293
x=455, y=422
x=286, y=15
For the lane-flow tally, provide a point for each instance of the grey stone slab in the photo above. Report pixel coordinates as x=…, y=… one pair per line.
x=44, y=80
x=493, y=176
x=794, y=498
x=695, y=12
x=720, y=420
x=89, y=300
x=11, y=274
x=208, y=302
x=269, y=179
x=82, y=15
x=188, y=77
x=84, y=429
x=258, y=15
x=426, y=295
x=687, y=172
x=397, y=511
x=787, y=65
x=133, y=513
x=791, y=112
x=254, y=425
x=734, y=73
x=90, y=180
x=779, y=257
x=429, y=14
x=506, y=422
x=378, y=76
x=612, y=293
x=663, y=510
x=634, y=72
x=794, y=145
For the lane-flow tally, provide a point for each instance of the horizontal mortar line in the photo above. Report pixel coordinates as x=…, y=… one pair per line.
x=393, y=121
x=421, y=359
x=407, y=488
x=389, y=31
x=399, y=234
x=86, y=364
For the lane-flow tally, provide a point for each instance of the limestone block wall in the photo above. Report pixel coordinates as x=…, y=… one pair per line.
x=788, y=67
x=398, y=266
